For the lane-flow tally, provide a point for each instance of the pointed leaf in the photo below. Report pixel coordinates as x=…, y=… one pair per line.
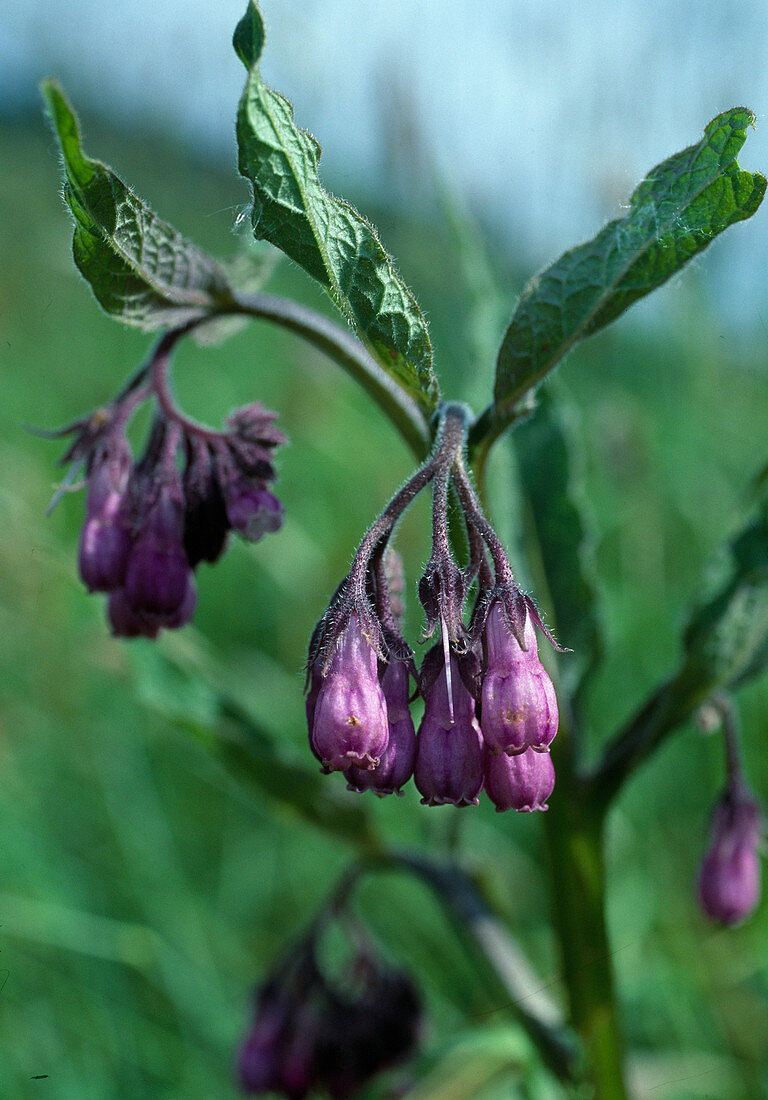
x=727, y=638
x=141, y=270
x=674, y=214
x=324, y=235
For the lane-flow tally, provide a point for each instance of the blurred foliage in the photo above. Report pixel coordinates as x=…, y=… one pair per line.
x=144, y=886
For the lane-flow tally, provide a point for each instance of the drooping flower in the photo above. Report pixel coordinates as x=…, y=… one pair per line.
x=105, y=540
x=149, y=525
x=519, y=707
x=449, y=750
x=350, y=713
x=395, y=767
x=158, y=577
x=523, y=781
x=314, y=1034
x=729, y=877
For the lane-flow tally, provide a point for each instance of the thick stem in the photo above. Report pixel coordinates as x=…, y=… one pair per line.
x=574, y=832
x=574, y=827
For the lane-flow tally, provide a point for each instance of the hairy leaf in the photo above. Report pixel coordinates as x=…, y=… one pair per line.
x=550, y=482
x=324, y=235
x=141, y=270
x=676, y=212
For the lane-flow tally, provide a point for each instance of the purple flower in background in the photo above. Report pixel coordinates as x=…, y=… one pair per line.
x=148, y=525
x=729, y=877
x=259, y=1062
x=518, y=703
x=158, y=576
x=327, y=1031
x=449, y=752
x=252, y=511
x=522, y=782
x=105, y=540
x=350, y=713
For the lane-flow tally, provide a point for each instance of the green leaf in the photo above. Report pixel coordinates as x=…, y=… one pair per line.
x=141, y=270
x=727, y=638
x=673, y=215
x=324, y=235
x=551, y=483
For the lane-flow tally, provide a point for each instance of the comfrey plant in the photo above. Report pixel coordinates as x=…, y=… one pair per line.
x=477, y=711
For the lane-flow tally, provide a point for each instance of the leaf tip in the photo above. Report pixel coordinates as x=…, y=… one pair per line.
x=248, y=38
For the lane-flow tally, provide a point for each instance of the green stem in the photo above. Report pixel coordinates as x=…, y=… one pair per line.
x=574, y=828
x=661, y=714
x=506, y=963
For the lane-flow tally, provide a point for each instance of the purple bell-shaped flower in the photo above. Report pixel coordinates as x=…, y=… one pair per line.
x=729, y=877
x=522, y=782
x=449, y=752
x=105, y=540
x=158, y=577
x=518, y=704
x=395, y=767
x=350, y=713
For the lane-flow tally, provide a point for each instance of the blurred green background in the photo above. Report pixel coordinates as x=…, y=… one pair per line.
x=144, y=885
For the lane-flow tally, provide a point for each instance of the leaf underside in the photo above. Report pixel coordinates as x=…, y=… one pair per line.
x=327, y=237
x=673, y=215
x=141, y=270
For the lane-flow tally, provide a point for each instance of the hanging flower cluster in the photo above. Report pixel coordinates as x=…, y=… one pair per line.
x=312, y=1034
x=490, y=712
x=149, y=523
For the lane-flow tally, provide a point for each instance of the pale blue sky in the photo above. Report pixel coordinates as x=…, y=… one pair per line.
x=542, y=114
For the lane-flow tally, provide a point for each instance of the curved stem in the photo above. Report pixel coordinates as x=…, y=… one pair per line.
x=656, y=719
x=491, y=424
x=349, y=353
x=525, y=993
x=734, y=768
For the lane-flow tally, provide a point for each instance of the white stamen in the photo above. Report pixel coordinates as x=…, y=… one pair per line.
x=447, y=658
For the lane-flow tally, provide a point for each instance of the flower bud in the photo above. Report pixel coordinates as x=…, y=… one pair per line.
x=125, y=621
x=449, y=756
x=729, y=877
x=350, y=717
x=395, y=767
x=521, y=782
x=205, y=523
x=158, y=577
x=251, y=509
x=259, y=1060
x=518, y=703
x=105, y=540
